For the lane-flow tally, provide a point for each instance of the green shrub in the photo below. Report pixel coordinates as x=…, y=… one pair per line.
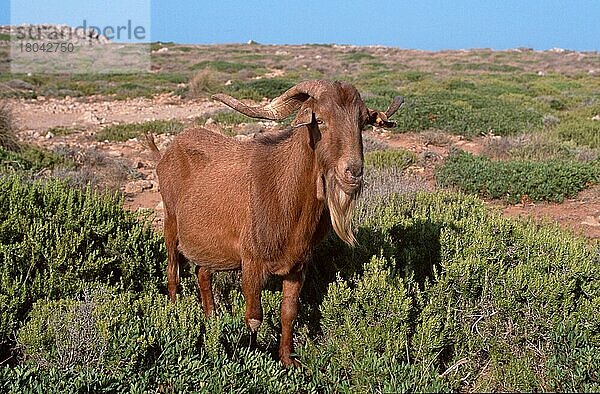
x=29, y=158
x=580, y=131
x=256, y=89
x=511, y=180
x=466, y=113
x=399, y=158
x=124, y=132
x=233, y=118
x=147, y=344
x=55, y=240
x=223, y=66
x=456, y=299
x=365, y=323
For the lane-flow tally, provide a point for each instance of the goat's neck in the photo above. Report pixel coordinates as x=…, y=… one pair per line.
x=288, y=209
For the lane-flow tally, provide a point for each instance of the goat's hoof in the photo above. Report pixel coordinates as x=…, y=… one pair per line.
x=254, y=324
x=289, y=361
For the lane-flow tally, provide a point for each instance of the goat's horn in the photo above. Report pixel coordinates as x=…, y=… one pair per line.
x=398, y=101
x=281, y=107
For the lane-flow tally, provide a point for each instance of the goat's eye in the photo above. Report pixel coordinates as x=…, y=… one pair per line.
x=320, y=121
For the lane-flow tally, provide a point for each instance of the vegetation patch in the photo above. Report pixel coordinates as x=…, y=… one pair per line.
x=256, y=89
x=29, y=159
x=552, y=180
x=399, y=158
x=466, y=114
x=440, y=295
x=223, y=66
x=8, y=129
x=124, y=132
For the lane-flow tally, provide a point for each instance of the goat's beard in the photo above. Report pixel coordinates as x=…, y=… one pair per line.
x=341, y=206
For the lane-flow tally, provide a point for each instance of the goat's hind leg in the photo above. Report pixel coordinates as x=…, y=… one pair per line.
x=173, y=255
x=204, y=278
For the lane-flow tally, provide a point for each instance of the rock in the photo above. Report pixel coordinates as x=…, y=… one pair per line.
x=145, y=184
x=19, y=84
x=596, y=117
x=90, y=117
x=159, y=206
x=228, y=82
x=139, y=165
x=209, y=121
x=550, y=120
x=163, y=49
x=115, y=153
x=133, y=188
x=49, y=135
x=591, y=221
x=541, y=73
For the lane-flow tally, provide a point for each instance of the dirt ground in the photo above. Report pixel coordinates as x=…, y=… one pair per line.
x=85, y=116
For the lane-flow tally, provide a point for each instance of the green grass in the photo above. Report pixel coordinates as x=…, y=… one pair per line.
x=232, y=118
x=484, y=67
x=224, y=66
x=552, y=180
x=61, y=130
x=399, y=158
x=124, y=132
x=357, y=56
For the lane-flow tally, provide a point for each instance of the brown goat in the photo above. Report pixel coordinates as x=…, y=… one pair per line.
x=263, y=204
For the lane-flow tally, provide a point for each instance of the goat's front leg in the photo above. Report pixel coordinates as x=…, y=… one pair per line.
x=252, y=283
x=292, y=285
x=204, y=278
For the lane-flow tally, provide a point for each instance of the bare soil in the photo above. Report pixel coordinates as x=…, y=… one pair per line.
x=86, y=116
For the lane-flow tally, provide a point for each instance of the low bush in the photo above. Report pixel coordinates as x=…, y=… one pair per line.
x=54, y=240
x=552, y=180
x=124, y=132
x=466, y=113
x=256, y=89
x=581, y=131
x=224, y=66
x=439, y=295
x=399, y=158
x=29, y=158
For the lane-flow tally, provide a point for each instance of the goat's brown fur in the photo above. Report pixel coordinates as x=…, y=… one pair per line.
x=263, y=204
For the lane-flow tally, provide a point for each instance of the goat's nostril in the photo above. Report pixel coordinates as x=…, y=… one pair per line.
x=354, y=170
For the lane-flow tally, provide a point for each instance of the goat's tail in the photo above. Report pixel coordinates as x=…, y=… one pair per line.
x=152, y=146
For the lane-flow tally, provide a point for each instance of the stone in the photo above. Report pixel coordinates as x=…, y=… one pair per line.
x=19, y=84
x=133, y=188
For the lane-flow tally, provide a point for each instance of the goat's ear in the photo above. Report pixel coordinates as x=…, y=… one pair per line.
x=379, y=119
x=303, y=118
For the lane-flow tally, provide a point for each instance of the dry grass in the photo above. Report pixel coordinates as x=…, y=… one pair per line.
x=204, y=83
x=8, y=129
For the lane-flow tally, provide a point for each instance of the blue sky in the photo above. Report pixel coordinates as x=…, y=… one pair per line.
x=426, y=24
